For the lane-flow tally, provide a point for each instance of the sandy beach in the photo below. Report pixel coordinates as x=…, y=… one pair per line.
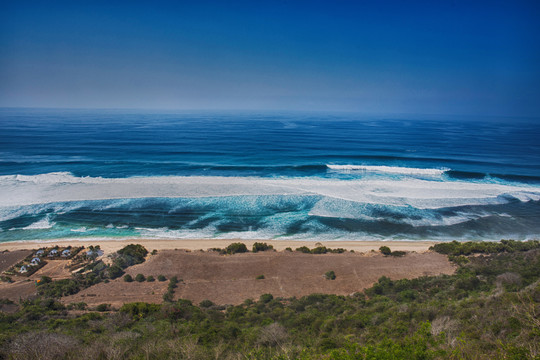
x=109, y=246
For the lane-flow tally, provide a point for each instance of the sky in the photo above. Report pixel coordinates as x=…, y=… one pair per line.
x=429, y=57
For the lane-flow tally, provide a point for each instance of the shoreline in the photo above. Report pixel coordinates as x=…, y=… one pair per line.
x=112, y=245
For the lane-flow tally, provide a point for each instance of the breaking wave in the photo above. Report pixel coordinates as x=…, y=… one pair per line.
x=389, y=169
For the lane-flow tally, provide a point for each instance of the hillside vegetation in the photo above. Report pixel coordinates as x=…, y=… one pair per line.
x=489, y=309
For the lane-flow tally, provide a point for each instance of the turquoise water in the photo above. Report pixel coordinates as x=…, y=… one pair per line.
x=97, y=174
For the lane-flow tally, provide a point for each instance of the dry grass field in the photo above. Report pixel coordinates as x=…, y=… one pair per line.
x=231, y=279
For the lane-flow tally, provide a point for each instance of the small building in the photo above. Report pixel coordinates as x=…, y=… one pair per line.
x=23, y=269
x=40, y=252
x=53, y=252
x=66, y=253
x=94, y=253
x=35, y=261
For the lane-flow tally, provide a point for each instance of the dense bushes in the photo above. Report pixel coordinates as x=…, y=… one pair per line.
x=130, y=255
x=58, y=288
x=484, y=247
x=320, y=250
x=236, y=248
x=385, y=250
x=258, y=246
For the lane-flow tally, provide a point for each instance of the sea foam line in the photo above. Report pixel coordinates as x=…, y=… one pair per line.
x=389, y=169
x=42, y=189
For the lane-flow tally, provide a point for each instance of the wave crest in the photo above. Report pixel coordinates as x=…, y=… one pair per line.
x=389, y=169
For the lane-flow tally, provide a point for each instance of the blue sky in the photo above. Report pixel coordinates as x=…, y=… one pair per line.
x=435, y=57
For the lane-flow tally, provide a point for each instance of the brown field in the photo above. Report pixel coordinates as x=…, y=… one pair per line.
x=230, y=279
x=22, y=289
x=56, y=269
x=10, y=258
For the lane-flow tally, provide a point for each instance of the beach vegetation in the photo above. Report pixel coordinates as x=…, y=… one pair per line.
x=235, y=248
x=140, y=278
x=303, y=249
x=260, y=246
x=457, y=248
x=161, y=278
x=128, y=278
x=385, y=250
x=320, y=250
x=150, y=278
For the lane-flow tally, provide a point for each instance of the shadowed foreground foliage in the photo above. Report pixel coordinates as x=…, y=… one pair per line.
x=490, y=309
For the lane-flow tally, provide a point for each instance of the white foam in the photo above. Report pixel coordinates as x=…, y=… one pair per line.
x=63, y=187
x=389, y=169
x=40, y=225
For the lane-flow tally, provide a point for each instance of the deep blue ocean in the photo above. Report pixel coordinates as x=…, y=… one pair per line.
x=123, y=174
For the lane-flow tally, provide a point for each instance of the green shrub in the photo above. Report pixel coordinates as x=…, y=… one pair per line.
x=130, y=255
x=288, y=249
x=265, y=298
x=303, y=249
x=319, y=250
x=330, y=275
x=150, y=278
x=128, y=278
x=236, y=248
x=115, y=271
x=168, y=296
x=103, y=307
x=398, y=253
x=79, y=306
x=260, y=277
x=58, y=288
x=258, y=246
x=140, y=309
x=206, y=304
x=161, y=278
x=385, y=250
x=140, y=278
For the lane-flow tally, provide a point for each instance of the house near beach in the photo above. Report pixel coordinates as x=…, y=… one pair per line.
x=53, y=252
x=40, y=252
x=35, y=261
x=66, y=253
x=24, y=269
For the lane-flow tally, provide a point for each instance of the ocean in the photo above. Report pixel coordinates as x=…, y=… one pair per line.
x=88, y=174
